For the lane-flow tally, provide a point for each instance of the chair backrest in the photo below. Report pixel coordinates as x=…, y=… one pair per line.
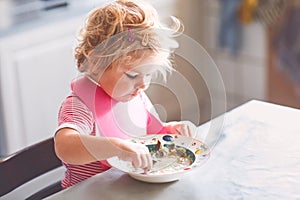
x=28, y=164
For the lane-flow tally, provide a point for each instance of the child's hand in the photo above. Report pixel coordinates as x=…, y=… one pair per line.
x=136, y=153
x=185, y=128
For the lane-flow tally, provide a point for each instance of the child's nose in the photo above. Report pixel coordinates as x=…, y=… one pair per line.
x=142, y=86
x=142, y=83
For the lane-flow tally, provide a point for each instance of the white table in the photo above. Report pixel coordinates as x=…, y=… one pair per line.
x=257, y=157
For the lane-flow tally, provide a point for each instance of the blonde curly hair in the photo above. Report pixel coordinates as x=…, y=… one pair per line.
x=124, y=29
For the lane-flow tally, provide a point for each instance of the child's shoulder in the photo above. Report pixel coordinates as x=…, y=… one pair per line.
x=74, y=103
x=71, y=99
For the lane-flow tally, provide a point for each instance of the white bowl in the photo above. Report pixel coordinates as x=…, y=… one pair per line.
x=196, y=151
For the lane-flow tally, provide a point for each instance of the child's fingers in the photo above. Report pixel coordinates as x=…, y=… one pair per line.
x=141, y=158
x=136, y=161
x=149, y=161
x=137, y=154
x=146, y=160
x=188, y=129
x=185, y=130
x=146, y=164
x=182, y=129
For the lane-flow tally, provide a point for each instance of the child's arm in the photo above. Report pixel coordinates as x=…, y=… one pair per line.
x=74, y=148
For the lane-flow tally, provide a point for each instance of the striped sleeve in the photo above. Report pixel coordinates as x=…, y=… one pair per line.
x=74, y=114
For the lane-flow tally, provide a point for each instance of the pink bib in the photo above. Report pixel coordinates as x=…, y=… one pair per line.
x=114, y=118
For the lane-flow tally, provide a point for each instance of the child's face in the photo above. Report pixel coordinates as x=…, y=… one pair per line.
x=124, y=82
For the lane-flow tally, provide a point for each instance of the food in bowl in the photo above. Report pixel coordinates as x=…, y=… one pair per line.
x=173, y=155
x=169, y=158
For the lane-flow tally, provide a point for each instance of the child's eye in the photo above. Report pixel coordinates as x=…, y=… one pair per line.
x=131, y=76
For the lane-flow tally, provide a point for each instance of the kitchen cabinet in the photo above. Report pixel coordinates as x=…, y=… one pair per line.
x=36, y=67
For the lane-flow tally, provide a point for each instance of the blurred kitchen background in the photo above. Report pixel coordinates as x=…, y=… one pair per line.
x=254, y=43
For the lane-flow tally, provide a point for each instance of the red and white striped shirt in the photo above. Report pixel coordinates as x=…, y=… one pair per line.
x=75, y=114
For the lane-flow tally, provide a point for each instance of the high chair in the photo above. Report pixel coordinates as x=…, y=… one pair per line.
x=28, y=164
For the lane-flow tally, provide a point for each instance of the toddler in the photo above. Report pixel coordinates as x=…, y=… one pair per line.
x=121, y=47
